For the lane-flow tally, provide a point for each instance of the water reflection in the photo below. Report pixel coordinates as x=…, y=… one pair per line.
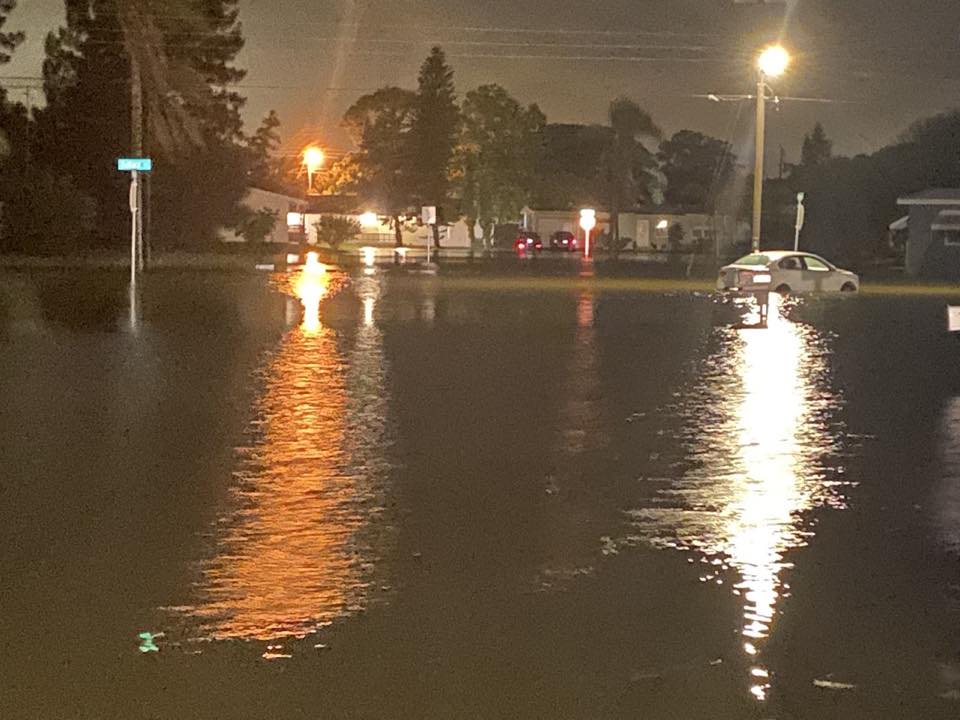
x=580, y=409
x=759, y=430
x=299, y=545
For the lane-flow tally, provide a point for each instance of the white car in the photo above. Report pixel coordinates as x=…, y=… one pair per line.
x=785, y=272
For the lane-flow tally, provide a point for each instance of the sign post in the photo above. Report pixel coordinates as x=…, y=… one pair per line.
x=429, y=217
x=801, y=216
x=135, y=166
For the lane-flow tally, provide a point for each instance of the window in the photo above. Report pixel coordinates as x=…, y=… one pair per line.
x=753, y=260
x=790, y=263
x=816, y=264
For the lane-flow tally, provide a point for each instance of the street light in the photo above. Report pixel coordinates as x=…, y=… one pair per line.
x=313, y=158
x=588, y=221
x=772, y=62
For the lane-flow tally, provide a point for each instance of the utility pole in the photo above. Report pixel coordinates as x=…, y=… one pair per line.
x=136, y=141
x=758, y=170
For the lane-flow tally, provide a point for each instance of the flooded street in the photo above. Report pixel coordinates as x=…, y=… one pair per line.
x=387, y=495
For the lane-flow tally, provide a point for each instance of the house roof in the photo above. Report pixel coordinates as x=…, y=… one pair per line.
x=334, y=204
x=947, y=220
x=932, y=196
x=900, y=224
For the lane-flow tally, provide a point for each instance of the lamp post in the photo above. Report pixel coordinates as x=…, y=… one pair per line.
x=771, y=63
x=588, y=221
x=313, y=158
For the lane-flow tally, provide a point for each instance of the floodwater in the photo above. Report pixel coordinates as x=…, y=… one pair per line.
x=387, y=495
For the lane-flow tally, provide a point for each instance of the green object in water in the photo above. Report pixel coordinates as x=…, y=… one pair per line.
x=147, y=644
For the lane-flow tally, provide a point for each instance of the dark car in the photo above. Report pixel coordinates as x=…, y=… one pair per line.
x=563, y=240
x=528, y=241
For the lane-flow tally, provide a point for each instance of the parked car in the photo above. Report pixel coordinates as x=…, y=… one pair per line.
x=785, y=272
x=528, y=241
x=563, y=240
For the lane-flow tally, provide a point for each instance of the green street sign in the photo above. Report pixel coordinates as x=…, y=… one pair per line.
x=134, y=164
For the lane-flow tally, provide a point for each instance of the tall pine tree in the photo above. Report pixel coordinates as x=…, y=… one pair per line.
x=436, y=122
x=184, y=50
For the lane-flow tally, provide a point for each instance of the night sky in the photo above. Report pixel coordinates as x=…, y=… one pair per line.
x=880, y=64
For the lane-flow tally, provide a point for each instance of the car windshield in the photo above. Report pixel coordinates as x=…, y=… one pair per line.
x=753, y=259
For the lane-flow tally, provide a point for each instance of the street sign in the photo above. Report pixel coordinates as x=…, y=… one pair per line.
x=134, y=164
x=429, y=215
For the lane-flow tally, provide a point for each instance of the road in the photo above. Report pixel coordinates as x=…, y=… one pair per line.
x=473, y=495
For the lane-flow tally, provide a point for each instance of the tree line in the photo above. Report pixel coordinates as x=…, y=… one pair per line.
x=481, y=156
x=851, y=201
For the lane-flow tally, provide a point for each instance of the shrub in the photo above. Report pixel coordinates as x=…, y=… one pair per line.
x=334, y=230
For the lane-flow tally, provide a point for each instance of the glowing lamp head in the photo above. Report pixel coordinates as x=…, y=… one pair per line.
x=588, y=219
x=313, y=158
x=369, y=220
x=773, y=61
x=662, y=225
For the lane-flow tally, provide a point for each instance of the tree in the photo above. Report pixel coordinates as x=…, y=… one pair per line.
x=435, y=126
x=266, y=168
x=381, y=124
x=8, y=41
x=333, y=230
x=817, y=148
x=255, y=225
x=695, y=167
x=627, y=166
x=568, y=167
x=178, y=54
x=496, y=157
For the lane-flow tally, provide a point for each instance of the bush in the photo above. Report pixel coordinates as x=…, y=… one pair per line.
x=47, y=215
x=256, y=225
x=334, y=230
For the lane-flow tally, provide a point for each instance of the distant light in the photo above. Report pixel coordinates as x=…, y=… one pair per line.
x=588, y=219
x=369, y=255
x=294, y=220
x=369, y=220
x=773, y=61
x=293, y=259
x=663, y=225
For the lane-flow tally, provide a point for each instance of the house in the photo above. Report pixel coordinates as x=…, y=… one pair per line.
x=277, y=204
x=933, y=227
x=376, y=229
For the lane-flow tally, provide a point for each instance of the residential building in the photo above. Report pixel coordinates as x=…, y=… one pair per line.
x=933, y=227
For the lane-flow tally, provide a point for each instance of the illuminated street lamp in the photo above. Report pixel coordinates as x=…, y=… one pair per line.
x=771, y=63
x=313, y=158
x=588, y=221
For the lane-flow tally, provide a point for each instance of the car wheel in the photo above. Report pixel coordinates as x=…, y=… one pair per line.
x=783, y=289
x=848, y=287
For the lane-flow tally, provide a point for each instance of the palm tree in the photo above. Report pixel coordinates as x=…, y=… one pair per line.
x=627, y=164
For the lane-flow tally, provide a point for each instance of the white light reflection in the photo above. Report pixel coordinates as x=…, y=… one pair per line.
x=759, y=432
